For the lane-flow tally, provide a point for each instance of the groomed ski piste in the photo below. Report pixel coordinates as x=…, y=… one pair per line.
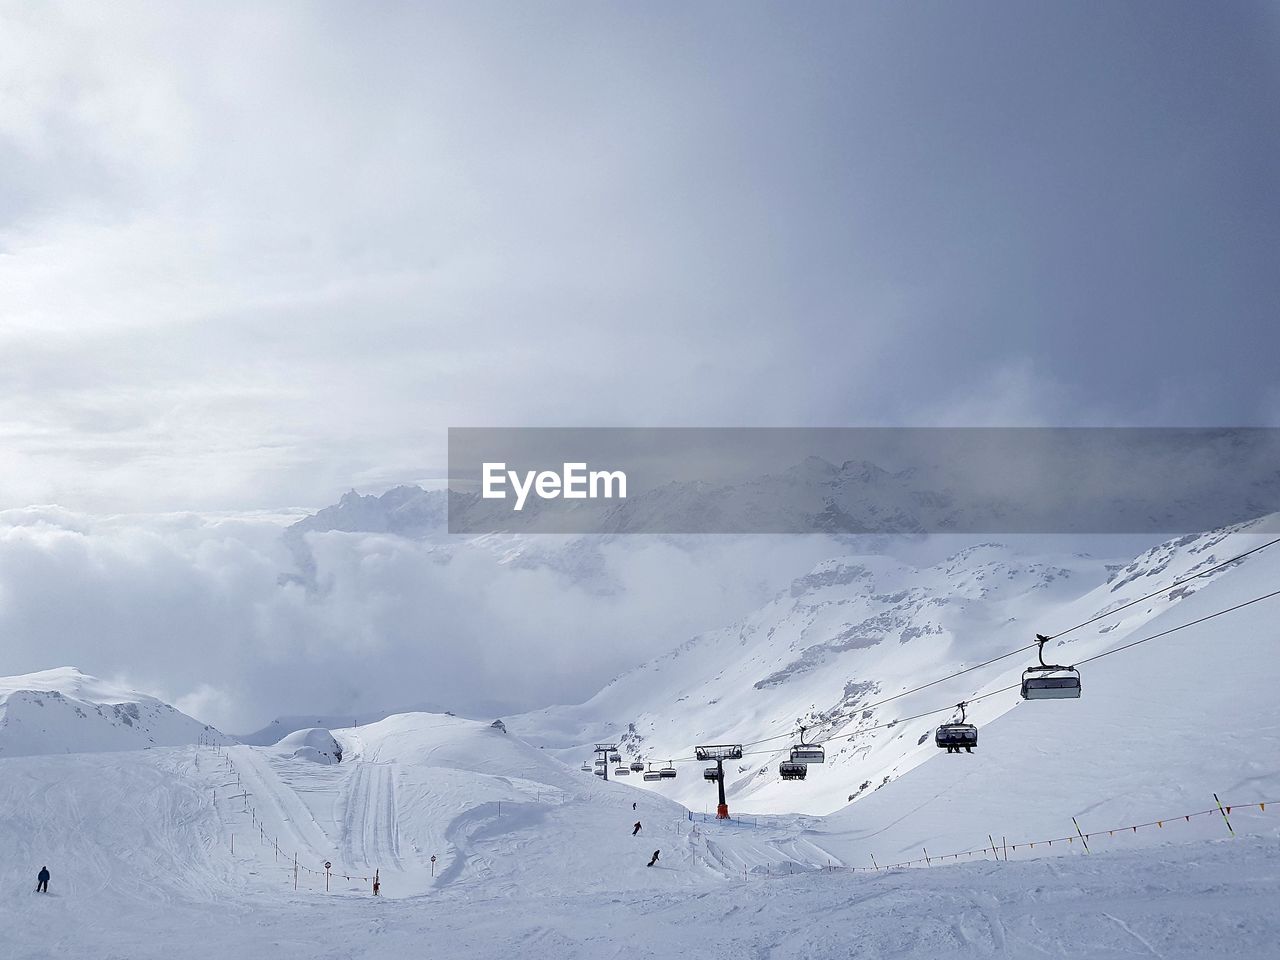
x=188, y=851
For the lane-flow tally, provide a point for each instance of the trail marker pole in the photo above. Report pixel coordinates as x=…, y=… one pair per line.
x=433, y=865
x=1224, y=815
x=327, y=865
x=1083, y=838
x=873, y=862
x=994, y=852
x=927, y=861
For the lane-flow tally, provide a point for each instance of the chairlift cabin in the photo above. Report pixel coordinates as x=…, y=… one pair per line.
x=636, y=766
x=1049, y=681
x=957, y=735
x=615, y=757
x=586, y=767
x=622, y=771
x=668, y=772
x=807, y=753
x=652, y=776
x=793, y=771
x=711, y=773
x=599, y=772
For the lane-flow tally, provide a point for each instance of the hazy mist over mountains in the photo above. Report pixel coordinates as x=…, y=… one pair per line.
x=368, y=605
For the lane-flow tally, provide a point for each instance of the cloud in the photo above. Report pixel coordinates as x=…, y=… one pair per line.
x=248, y=254
x=191, y=609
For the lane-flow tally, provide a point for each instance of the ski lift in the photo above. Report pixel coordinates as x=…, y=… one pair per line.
x=711, y=773
x=599, y=772
x=652, y=776
x=1049, y=681
x=586, y=767
x=807, y=752
x=636, y=766
x=793, y=771
x=621, y=771
x=615, y=757
x=957, y=734
x=668, y=772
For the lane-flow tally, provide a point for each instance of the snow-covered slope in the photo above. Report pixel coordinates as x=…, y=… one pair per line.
x=1158, y=731
x=859, y=630
x=189, y=852
x=418, y=785
x=283, y=726
x=314, y=743
x=66, y=711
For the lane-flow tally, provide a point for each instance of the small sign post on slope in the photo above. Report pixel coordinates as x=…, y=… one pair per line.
x=433, y=865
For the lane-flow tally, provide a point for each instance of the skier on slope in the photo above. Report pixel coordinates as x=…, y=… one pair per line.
x=636, y=828
x=654, y=859
x=42, y=880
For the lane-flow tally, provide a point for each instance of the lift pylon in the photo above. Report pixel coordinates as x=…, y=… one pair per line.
x=603, y=750
x=719, y=752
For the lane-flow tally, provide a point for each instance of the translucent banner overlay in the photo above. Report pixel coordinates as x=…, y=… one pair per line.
x=860, y=480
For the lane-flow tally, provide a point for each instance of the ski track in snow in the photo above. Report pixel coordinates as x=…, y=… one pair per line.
x=370, y=829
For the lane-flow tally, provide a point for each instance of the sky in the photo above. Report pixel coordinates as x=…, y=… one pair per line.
x=255, y=255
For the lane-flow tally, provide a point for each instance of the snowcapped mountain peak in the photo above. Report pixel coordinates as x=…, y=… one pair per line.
x=65, y=710
x=69, y=682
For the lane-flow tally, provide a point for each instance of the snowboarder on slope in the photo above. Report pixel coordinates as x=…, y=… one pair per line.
x=633, y=804
x=636, y=828
x=654, y=859
x=42, y=880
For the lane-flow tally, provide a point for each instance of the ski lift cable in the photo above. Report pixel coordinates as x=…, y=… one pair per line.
x=1012, y=686
x=1031, y=646
x=1181, y=626
x=1099, y=656
x=1172, y=586
x=897, y=696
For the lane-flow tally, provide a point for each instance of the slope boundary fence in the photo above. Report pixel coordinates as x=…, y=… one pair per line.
x=1001, y=849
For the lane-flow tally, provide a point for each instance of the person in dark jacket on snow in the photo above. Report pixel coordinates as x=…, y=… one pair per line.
x=636, y=828
x=654, y=860
x=42, y=880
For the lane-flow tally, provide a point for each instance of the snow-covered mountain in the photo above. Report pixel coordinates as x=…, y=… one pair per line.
x=858, y=630
x=66, y=711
